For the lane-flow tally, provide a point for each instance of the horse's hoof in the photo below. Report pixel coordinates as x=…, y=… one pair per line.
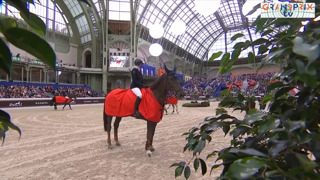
x=110, y=147
x=149, y=153
x=118, y=144
x=152, y=149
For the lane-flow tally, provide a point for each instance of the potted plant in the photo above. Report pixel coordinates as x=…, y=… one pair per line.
x=282, y=143
x=238, y=101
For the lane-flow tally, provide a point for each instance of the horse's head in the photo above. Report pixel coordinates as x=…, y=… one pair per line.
x=72, y=96
x=173, y=83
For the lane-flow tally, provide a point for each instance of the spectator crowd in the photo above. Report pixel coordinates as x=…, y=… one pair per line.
x=44, y=91
x=248, y=84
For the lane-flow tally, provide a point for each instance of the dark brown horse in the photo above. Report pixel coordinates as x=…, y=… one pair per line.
x=56, y=100
x=158, y=90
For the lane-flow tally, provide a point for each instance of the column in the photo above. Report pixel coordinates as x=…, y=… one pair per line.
x=22, y=74
x=28, y=73
x=192, y=70
x=105, y=50
x=45, y=73
x=40, y=80
x=78, y=78
x=57, y=76
x=73, y=78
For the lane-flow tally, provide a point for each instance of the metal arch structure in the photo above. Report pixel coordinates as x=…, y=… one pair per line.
x=201, y=34
x=200, y=37
x=229, y=16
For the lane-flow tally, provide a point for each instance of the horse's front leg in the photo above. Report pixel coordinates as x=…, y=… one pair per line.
x=177, y=108
x=151, y=127
x=172, y=108
x=116, y=127
x=64, y=106
x=70, y=106
x=55, y=106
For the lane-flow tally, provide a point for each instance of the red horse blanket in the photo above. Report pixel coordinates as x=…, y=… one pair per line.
x=120, y=102
x=62, y=100
x=171, y=100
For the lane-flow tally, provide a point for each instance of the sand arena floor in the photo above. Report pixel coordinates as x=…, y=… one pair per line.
x=71, y=144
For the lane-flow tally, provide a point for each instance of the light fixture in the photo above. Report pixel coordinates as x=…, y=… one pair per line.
x=155, y=49
x=302, y=29
x=156, y=31
x=305, y=22
x=206, y=8
x=248, y=6
x=178, y=27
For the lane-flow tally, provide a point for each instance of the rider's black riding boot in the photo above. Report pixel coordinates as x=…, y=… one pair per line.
x=136, y=111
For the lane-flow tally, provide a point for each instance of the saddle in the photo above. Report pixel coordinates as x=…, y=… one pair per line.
x=120, y=103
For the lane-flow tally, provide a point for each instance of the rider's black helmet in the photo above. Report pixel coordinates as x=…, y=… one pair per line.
x=138, y=61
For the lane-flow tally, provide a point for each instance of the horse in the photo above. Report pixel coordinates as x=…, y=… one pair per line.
x=56, y=100
x=171, y=101
x=120, y=103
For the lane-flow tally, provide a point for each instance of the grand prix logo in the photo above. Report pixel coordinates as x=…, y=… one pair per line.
x=288, y=9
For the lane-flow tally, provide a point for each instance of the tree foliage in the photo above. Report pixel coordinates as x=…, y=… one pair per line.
x=31, y=41
x=283, y=143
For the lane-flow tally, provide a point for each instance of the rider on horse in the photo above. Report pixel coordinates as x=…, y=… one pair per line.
x=136, y=85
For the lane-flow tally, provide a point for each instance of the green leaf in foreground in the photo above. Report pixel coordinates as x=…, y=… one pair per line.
x=35, y=22
x=245, y=168
x=5, y=122
x=5, y=57
x=32, y=44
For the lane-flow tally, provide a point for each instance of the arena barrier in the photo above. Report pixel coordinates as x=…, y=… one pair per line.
x=32, y=102
x=201, y=98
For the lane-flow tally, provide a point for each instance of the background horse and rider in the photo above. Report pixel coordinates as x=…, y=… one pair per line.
x=65, y=100
x=171, y=100
x=120, y=103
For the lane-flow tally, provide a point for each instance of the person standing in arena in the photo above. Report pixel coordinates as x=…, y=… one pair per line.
x=136, y=85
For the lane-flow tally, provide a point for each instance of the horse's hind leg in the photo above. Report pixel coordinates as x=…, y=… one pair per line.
x=151, y=127
x=70, y=106
x=55, y=106
x=177, y=108
x=107, y=127
x=116, y=127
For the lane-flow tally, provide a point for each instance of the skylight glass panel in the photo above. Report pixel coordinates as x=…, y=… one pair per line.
x=74, y=7
x=125, y=16
x=219, y=45
x=98, y=7
x=124, y=6
x=114, y=6
x=82, y=25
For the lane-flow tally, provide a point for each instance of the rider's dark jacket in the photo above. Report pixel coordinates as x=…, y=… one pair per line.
x=137, y=79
